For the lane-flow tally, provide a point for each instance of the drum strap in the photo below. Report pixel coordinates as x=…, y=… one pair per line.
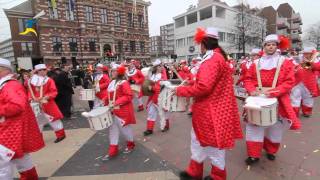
x=32, y=93
x=276, y=76
x=114, y=94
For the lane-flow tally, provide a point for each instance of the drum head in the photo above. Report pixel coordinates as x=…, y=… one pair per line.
x=260, y=101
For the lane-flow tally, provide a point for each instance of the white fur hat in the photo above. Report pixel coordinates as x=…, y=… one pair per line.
x=99, y=65
x=40, y=66
x=212, y=32
x=271, y=38
x=115, y=66
x=5, y=63
x=309, y=50
x=157, y=62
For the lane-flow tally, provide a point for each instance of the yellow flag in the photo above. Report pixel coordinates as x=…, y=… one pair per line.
x=54, y=4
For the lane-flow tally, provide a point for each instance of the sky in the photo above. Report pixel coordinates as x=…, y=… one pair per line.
x=162, y=11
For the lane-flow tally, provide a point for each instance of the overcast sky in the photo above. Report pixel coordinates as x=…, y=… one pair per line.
x=162, y=11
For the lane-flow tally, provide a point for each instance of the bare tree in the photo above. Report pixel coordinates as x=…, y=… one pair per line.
x=313, y=35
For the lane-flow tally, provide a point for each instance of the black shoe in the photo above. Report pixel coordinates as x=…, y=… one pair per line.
x=59, y=139
x=185, y=176
x=147, y=132
x=251, y=160
x=271, y=157
x=306, y=115
x=190, y=113
x=208, y=178
x=165, y=129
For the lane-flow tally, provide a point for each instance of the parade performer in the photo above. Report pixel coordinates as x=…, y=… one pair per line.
x=306, y=89
x=153, y=109
x=215, y=120
x=42, y=90
x=246, y=64
x=135, y=77
x=19, y=132
x=101, y=83
x=120, y=100
x=270, y=137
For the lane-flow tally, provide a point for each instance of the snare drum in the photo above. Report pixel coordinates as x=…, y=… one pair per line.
x=87, y=95
x=262, y=111
x=35, y=108
x=99, y=118
x=135, y=88
x=240, y=92
x=171, y=102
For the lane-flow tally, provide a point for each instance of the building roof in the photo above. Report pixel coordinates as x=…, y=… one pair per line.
x=23, y=7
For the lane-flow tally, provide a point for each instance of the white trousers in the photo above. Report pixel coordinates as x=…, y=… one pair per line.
x=55, y=125
x=274, y=133
x=22, y=164
x=301, y=93
x=154, y=112
x=199, y=153
x=137, y=100
x=116, y=128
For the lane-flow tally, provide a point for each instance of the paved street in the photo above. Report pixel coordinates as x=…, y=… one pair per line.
x=162, y=155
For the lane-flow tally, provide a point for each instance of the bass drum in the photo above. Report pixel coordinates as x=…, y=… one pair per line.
x=145, y=71
x=145, y=87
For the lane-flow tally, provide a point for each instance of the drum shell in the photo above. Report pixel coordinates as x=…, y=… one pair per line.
x=87, y=95
x=35, y=108
x=240, y=92
x=100, y=118
x=171, y=102
x=145, y=87
x=266, y=116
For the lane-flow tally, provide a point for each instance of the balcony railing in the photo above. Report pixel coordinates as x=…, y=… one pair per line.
x=282, y=23
x=296, y=18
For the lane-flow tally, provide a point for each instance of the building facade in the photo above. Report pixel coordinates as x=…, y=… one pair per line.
x=214, y=13
x=167, y=37
x=6, y=50
x=156, y=48
x=84, y=31
x=284, y=21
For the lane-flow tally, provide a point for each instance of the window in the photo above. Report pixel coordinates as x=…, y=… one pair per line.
x=26, y=48
x=220, y=12
x=73, y=45
x=205, y=13
x=190, y=40
x=231, y=38
x=57, y=44
x=53, y=12
x=142, y=46
x=92, y=44
x=141, y=21
x=180, y=42
x=88, y=13
x=192, y=18
x=70, y=14
x=180, y=22
x=120, y=46
x=132, y=46
x=130, y=20
x=117, y=18
x=222, y=36
x=22, y=24
x=104, y=16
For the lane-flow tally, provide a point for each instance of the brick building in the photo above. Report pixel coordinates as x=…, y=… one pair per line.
x=82, y=31
x=284, y=20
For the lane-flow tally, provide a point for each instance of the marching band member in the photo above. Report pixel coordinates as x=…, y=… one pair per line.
x=120, y=100
x=156, y=76
x=269, y=138
x=101, y=82
x=245, y=65
x=306, y=88
x=215, y=120
x=135, y=76
x=42, y=89
x=19, y=132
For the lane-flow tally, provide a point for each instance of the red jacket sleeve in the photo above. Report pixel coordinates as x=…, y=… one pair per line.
x=15, y=100
x=206, y=79
x=52, y=90
x=140, y=77
x=250, y=79
x=288, y=81
x=126, y=94
x=316, y=66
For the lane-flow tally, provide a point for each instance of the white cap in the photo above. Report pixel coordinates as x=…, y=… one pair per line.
x=99, y=65
x=309, y=50
x=212, y=32
x=157, y=62
x=115, y=66
x=271, y=38
x=5, y=63
x=255, y=51
x=40, y=66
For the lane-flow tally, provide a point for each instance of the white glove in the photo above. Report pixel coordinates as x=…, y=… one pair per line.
x=165, y=83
